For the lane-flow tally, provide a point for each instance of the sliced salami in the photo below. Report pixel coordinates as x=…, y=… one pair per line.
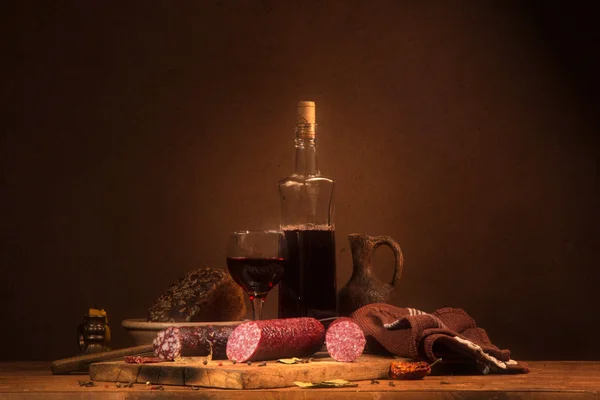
x=275, y=338
x=344, y=340
x=142, y=360
x=188, y=341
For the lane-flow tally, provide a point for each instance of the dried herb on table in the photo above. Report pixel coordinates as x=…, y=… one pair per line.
x=293, y=360
x=326, y=384
x=87, y=383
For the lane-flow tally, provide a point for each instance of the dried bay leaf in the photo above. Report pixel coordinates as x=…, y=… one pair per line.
x=326, y=384
x=337, y=382
x=304, y=384
x=293, y=360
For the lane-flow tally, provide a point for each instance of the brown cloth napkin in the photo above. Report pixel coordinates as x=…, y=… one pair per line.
x=448, y=333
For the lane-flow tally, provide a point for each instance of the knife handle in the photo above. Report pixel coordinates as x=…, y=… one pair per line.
x=80, y=363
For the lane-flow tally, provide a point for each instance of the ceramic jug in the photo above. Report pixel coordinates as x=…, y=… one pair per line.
x=363, y=287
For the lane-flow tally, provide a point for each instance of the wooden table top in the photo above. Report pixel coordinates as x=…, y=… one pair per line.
x=547, y=380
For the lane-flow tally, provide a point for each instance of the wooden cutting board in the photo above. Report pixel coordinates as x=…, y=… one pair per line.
x=241, y=375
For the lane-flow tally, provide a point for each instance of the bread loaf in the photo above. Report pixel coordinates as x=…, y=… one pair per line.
x=203, y=295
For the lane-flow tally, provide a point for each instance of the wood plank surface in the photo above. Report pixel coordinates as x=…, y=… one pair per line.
x=547, y=380
x=257, y=375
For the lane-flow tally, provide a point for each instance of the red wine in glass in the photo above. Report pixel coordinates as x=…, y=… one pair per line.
x=256, y=261
x=257, y=276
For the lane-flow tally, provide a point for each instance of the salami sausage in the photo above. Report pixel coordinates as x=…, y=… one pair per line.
x=344, y=340
x=275, y=338
x=189, y=341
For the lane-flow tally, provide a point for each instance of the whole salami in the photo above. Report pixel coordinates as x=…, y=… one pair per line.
x=344, y=340
x=189, y=341
x=275, y=338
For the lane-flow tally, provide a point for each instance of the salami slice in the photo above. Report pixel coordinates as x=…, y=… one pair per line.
x=275, y=338
x=344, y=340
x=142, y=360
x=188, y=341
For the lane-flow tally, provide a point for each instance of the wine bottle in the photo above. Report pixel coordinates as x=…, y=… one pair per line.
x=308, y=286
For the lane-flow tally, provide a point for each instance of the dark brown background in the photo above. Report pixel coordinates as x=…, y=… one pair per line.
x=136, y=135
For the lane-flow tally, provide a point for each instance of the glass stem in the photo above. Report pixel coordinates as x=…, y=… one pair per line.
x=257, y=303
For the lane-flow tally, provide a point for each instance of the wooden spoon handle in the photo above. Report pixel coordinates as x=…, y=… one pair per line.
x=80, y=363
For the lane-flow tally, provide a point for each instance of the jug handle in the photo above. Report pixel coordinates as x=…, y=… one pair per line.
x=399, y=257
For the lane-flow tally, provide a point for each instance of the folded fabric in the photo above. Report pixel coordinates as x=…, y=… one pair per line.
x=448, y=333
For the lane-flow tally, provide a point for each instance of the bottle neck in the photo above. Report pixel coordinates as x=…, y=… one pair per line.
x=306, y=157
x=306, y=150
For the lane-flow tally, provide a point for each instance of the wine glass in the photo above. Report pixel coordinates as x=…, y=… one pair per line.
x=256, y=261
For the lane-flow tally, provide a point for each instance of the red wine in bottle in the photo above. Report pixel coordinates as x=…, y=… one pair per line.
x=310, y=281
x=308, y=287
